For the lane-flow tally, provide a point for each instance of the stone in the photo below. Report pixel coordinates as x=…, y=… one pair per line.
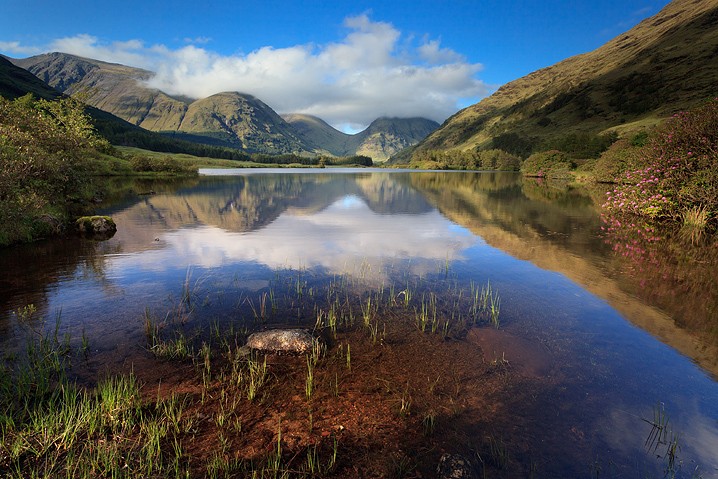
x=296, y=341
x=102, y=226
x=454, y=466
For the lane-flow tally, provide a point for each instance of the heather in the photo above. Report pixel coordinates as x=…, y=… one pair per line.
x=676, y=178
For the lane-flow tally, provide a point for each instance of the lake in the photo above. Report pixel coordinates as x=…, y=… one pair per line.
x=603, y=327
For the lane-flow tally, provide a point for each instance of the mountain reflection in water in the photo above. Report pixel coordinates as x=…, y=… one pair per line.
x=570, y=303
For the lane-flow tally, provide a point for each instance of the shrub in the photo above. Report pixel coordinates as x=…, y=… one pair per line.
x=43, y=147
x=678, y=170
x=496, y=159
x=621, y=157
x=548, y=164
x=581, y=145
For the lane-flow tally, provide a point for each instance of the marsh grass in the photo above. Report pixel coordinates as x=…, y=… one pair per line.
x=180, y=347
x=663, y=441
x=309, y=383
x=695, y=224
x=62, y=430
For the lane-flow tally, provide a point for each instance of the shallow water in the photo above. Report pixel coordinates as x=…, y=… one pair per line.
x=606, y=338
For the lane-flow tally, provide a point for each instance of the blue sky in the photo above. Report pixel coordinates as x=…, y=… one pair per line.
x=346, y=62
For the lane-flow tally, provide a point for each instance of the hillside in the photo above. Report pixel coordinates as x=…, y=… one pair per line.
x=666, y=63
x=225, y=119
x=16, y=82
x=383, y=138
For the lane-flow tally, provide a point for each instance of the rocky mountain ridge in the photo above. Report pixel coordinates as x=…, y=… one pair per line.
x=380, y=140
x=225, y=119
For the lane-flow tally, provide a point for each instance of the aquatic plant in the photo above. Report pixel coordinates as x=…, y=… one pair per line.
x=309, y=383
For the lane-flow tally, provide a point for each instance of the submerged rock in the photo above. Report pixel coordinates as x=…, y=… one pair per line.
x=101, y=227
x=282, y=341
x=454, y=466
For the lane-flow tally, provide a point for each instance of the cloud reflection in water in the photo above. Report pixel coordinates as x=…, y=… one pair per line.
x=344, y=233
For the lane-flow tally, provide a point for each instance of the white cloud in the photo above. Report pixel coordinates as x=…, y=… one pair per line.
x=432, y=52
x=370, y=72
x=198, y=40
x=14, y=48
x=130, y=52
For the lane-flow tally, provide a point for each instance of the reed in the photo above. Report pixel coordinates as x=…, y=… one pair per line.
x=309, y=383
x=429, y=423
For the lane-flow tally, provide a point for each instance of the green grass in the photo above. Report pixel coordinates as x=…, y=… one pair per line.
x=50, y=427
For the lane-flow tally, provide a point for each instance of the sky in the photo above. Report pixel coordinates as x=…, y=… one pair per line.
x=347, y=62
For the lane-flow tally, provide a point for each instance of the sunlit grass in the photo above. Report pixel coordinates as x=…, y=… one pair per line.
x=65, y=428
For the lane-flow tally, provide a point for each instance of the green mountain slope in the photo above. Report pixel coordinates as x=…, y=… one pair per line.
x=114, y=88
x=316, y=131
x=16, y=82
x=225, y=119
x=667, y=63
x=383, y=138
x=242, y=121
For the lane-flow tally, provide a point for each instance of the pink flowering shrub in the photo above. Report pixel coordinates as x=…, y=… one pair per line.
x=678, y=172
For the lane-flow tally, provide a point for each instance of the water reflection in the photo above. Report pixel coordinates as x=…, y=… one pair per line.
x=588, y=377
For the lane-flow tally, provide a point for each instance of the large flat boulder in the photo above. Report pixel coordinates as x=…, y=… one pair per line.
x=296, y=341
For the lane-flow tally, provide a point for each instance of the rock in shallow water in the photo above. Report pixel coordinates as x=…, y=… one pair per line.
x=282, y=341
x=96, y=226
x=454, y=466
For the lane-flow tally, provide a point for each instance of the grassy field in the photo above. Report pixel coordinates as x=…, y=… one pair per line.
x=190, y=160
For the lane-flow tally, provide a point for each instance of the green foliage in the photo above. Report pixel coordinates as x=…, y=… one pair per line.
x=548, y=164
x=624, y=155
x=121, y=133
x=44, y=146
x=467, y=160
x=581, y=145
x=292, y=159
x=514, y=143
x=677, y=170
x=360, y=160
x=167, y=164
x=496, y=159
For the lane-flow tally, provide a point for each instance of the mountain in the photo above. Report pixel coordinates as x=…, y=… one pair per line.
x=316, y=131
x=225, y=119
x=16, y=82
x=667, y=63
x=380, y=140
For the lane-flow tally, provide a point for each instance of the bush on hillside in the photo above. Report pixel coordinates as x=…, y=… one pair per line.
x=456, y=159
x=496, y=159
x=624, y=155
x=548, y=164
x=678, y=170
x=581, y=145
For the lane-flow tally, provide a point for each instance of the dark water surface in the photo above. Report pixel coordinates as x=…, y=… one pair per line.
x=610, y=325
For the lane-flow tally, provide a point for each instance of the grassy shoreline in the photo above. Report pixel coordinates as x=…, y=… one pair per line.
x=201, y=407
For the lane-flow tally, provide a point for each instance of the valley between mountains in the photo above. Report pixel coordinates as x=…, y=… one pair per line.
x=228, y=119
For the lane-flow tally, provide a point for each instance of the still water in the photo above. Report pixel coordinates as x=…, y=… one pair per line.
x=608, y=327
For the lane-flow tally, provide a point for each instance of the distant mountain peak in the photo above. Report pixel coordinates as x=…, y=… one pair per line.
x=227, y=118
x=380, y=140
